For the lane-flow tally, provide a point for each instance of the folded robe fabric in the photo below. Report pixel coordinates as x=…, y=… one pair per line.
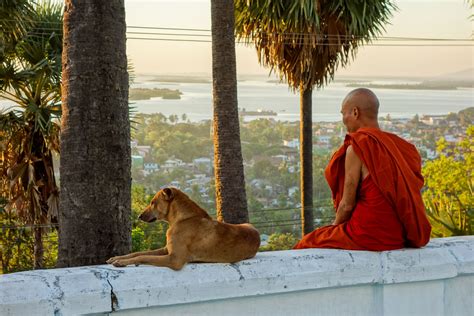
x=395, y=169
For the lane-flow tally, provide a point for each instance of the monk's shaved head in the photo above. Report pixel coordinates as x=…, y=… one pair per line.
x=365, y=100
x=360, y=108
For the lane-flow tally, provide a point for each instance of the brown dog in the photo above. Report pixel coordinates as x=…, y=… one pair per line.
x=193, y=236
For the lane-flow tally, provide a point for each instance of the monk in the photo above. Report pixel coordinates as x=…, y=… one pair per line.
x=375, y=179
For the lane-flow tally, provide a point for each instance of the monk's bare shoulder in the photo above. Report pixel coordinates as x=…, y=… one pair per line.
x=350, y=153
x=353, y=163
x=353, y=159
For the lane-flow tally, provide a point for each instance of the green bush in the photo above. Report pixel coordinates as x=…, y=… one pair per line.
x=448, y=188
x=279, y=242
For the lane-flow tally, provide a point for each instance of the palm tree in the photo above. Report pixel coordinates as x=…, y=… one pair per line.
x=95, y=206
x=305, y=42
x=30, y=76
x=231, y=201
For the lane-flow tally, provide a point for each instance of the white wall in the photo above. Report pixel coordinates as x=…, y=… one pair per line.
x=435, y=280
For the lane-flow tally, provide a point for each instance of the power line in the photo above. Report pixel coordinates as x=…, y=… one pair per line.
x=300, y=34
x=168, y=39
x=264, y=210
x=288, y=38
x=284, y=42
x=285, y=221
x=430, y=39
x=354, y=37
x=303, y=44
x=278, y=226
x=168, y=34
x=272, y=33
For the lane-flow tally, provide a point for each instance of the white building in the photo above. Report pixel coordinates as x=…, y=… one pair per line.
x=150, y=167
x=433, y=119
x=200, y=180
x=292, y=191
x=143, y=150
x=203, y=163
x=202, y=160
x=257, y=183
x=294, y=143
x=324, y=141
x=175, y=184
x=173, y=163
x=451, y=138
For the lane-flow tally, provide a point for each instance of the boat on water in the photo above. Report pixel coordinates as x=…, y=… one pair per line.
x=259, y=112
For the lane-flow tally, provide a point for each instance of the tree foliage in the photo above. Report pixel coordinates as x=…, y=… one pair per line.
x=305, y=41
x=29, y=131
x=449, y=186
x=145, y=236
x=17, y=243
x=277, y=241
x=15, y=16
x=172, y=138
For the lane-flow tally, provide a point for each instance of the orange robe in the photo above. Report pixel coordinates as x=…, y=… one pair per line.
x=389, y=212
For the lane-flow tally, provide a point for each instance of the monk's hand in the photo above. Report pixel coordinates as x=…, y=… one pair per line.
x=335, y=222
x=342, y=215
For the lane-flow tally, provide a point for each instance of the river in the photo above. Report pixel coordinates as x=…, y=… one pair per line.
x=196, y=101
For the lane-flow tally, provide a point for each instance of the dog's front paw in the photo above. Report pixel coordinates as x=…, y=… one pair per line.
x=111, y=260
x=120, y=263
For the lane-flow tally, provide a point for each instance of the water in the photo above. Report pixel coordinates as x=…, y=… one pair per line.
x=196, y=101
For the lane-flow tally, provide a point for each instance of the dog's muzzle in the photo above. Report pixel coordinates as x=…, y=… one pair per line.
x=146, y=218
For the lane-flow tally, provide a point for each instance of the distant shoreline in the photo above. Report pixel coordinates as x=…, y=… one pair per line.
x=350, y=83
x=446, y=81
x=138, y=94
x=408, y=86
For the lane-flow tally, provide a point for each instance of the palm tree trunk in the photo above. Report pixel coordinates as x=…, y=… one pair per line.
x=231, y=200
x=38, y=248
x=306, y=159
x=95, y=206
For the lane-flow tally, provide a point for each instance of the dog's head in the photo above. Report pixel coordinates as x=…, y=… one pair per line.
x=159, y=206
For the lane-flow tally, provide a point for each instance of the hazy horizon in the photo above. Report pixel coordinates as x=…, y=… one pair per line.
x=461, y=75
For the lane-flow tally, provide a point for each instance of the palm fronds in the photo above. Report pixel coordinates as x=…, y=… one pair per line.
x=15, y=18
x=306, y=41
x=29, y=130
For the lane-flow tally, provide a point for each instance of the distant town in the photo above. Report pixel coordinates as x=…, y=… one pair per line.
x=174, y=152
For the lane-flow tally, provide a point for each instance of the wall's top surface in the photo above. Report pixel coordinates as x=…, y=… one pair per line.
x=104, y=288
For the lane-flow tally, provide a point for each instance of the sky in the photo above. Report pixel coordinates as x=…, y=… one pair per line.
x=414, y=18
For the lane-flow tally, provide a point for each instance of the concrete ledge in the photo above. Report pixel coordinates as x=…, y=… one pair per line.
x=446, y=263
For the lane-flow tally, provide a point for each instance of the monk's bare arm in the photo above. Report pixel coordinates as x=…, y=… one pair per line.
x=353, y=166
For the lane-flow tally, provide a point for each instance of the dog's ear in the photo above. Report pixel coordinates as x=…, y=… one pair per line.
x=168, y=193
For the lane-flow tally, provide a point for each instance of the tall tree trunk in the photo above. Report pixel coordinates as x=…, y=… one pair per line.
x=231, y=200
x=38, y=248
x=306, y=159
x=95, y=206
